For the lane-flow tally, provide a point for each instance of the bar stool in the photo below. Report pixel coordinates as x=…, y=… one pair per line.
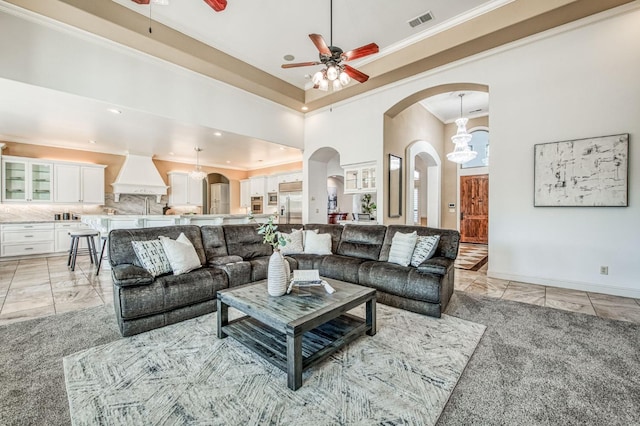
x=104, y=240
x=89, y=234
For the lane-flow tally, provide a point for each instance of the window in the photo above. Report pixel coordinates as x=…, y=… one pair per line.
x=480, y=144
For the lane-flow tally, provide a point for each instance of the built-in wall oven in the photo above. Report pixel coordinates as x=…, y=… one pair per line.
x=272, y=199
x=256, y=205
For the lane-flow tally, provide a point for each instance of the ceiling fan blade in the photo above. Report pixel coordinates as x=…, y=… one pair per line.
x=355, y=74
x=217, y=5
x=301, y=64
x=361, y=52
x=320, y=44
x=141, y=1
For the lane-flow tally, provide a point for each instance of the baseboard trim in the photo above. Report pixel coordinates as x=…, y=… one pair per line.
x=573, y=285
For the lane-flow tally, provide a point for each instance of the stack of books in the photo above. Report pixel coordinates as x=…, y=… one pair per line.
x=309, y=278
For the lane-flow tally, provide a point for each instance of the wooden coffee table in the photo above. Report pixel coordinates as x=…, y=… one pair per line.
x=297, y=330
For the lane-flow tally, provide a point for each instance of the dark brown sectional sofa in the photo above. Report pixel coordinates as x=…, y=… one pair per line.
x=233, y=255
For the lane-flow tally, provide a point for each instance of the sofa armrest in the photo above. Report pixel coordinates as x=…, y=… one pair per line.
x=126, y=274
x=436, y=265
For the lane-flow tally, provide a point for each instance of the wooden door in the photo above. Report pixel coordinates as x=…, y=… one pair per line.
x=474, y=209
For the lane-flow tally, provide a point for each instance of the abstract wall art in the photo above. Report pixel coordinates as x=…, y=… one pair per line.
x=588, y=172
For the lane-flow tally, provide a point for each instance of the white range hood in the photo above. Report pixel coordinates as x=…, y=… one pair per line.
x=139, y=176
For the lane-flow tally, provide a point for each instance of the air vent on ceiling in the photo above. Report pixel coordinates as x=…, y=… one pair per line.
x=428, y=16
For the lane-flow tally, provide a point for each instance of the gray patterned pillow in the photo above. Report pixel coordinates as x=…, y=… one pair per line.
x=152, y=256
x=425, y=249
x=294, y=242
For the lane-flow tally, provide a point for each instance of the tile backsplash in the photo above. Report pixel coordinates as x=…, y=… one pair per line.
x=128, y=204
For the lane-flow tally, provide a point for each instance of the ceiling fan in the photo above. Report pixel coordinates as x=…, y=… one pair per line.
x=336, y=72
x=217, y=5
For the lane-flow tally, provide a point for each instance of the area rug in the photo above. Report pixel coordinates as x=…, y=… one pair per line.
x=184, y=374
x=472, y=256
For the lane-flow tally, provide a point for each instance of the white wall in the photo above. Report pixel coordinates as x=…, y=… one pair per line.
x=573, y=82
x=40, y=55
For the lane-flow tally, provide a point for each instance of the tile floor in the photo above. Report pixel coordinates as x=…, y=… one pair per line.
x=38, y=287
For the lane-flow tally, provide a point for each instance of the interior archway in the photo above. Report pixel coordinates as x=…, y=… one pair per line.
x=322, y=164
x=430, y=185
x=217, y=194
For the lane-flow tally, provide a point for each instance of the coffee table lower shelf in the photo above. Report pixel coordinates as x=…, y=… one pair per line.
x=317, y=344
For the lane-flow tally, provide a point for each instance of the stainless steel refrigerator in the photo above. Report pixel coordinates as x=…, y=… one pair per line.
x=290, y=200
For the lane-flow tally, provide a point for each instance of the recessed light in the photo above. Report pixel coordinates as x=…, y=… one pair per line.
x=289, y=57
x=305, y=108
x=92, y=141
x=218, y=134
x=171, y=153
x=228, y=162
x=282, y=148
x=114, y=111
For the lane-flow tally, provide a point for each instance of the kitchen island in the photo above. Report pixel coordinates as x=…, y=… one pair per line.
x=105, y=223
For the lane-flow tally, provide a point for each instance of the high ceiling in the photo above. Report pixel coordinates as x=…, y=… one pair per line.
x=244, y=46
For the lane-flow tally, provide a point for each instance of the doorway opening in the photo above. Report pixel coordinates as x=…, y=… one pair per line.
x=216, y=194
x=424, y=174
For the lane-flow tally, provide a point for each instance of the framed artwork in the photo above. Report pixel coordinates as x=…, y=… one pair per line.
x=395, y=186
x=590, y=172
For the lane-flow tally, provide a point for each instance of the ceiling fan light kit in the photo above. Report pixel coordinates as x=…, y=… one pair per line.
x=331, y=57
x=217, y=5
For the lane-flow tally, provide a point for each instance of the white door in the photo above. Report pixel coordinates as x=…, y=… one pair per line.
x=195, y=192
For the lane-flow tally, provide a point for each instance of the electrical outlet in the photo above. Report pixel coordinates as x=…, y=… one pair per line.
x=604, y=270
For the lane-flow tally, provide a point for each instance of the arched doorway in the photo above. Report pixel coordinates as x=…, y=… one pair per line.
x=217, y=198
x=423, y=189
x=325, y=186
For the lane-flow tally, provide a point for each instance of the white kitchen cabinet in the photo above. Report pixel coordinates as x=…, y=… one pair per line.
x=272, y=183
x=92, y=178
x=245, y=193
x=75, y=183
x=26, y=180
x=257, y=185
x=184, y=190
x=25, y=239
x=360, y=179
x=290, y=177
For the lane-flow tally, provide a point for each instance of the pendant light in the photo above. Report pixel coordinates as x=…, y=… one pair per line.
x=197, y=173
x=462, y=152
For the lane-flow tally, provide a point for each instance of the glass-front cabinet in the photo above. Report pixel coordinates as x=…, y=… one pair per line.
x=361, y=178
x=26, y=181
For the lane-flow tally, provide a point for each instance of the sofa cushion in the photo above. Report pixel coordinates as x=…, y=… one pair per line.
x=152, y=256
x=244, y=241
x=447, y=246
x=259, y=268
x=436, y=265
x=426, y=246
x=238, y=273
x=213, y=241
x=404, y=281
x=402, y=248
x=307, y=261
x=121, y=251
x=181, y=254
x=223, y=260
x=362, y=241
x=344, y=268
x=196, y=286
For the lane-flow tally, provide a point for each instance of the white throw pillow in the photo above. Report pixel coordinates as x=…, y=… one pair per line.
x=304, y=236
x=181, y=254
x=425, y=249
x=317, y=243
x=152, y=256
x=402, y=247
x=294, y=242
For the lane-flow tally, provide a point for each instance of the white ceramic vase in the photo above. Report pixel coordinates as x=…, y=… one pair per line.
x=277, y=274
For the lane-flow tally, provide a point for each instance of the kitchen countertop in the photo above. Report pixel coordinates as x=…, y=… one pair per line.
x=169, y=216
x=17, y=222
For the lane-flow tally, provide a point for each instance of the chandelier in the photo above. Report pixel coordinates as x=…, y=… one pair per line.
x=197, y=173
x=462, y=152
